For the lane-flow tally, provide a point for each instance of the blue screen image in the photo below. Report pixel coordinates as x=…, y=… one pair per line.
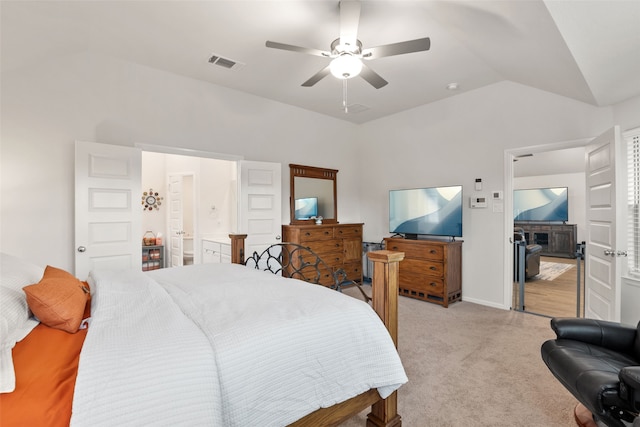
x=541, y=204
x=428, y=211
x=306, y=208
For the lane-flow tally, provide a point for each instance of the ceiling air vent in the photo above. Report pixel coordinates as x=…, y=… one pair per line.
x=225, y=62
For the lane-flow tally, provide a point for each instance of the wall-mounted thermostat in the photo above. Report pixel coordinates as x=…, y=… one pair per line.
x=478, y=202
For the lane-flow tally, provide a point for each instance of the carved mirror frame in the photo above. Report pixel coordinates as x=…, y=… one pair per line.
x=300, y=171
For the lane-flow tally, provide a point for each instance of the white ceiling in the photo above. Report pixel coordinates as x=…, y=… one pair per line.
x=586, y=50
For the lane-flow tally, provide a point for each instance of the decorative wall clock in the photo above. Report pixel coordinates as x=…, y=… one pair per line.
x=151, y=200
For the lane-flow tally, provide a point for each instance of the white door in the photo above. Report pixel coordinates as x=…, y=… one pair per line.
x=176, y=231
x=259, y=204
x=108, y=213
x=604, y=238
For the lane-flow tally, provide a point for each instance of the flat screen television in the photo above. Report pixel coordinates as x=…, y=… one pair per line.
x=541, y=204
x=435, y=211
x=306, y=208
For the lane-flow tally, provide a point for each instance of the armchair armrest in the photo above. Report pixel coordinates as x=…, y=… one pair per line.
x=630, y=384
x=598, y=332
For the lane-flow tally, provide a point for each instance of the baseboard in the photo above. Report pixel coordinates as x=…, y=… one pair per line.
x=485, y=303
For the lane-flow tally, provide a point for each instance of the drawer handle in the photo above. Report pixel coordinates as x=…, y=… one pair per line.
x=433, y=251
x=395, y=248
x=340, y=231
x=307, y=234
x=326, y=233
x=433, y=284
x=432, y=268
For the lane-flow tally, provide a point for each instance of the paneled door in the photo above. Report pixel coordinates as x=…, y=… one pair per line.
x=176, y=231
x=259, y=204
x=605, y=226
x=107, y=207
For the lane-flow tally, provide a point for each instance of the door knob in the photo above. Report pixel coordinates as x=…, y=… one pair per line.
x=278, y=237
x=81, y=249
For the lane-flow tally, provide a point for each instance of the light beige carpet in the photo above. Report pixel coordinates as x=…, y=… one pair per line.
x=471, y=365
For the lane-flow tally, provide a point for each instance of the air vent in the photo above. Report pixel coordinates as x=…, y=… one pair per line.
x=227, y=63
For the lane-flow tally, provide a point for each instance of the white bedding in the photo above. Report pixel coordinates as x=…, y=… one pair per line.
x=254, y=349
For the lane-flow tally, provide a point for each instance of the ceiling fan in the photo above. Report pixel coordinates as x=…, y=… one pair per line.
x=347, y=52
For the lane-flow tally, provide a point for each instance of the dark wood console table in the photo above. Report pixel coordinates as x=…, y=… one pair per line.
x=557, y=240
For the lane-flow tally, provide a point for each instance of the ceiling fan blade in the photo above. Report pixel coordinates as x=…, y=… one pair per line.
x=372, y=77
x=349, y=20
x=400, y=48
x=307, y=50
x=317, y=77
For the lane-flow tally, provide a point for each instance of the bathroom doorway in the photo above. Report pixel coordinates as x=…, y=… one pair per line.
x=182, y=221
x=200, y=204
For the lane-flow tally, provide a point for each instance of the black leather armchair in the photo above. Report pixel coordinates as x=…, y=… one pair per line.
x=599, y=363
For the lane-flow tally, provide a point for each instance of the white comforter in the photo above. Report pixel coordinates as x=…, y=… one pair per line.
x=253, y=349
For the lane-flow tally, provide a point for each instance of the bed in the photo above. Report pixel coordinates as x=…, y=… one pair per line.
x=217, y=344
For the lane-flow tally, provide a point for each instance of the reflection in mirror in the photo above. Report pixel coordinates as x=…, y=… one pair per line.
x=313, y=194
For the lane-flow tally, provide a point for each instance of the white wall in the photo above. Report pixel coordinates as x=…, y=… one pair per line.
x=96, y=98
x=455, y=141
x=576, y=192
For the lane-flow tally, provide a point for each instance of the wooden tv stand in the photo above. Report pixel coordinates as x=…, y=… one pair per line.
x=430, y=271
x=556, y=240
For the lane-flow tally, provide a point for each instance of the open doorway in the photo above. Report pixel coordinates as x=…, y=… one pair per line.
x=199, y=203
x=554, y=284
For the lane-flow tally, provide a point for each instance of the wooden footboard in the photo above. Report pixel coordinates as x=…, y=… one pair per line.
x=384, y=412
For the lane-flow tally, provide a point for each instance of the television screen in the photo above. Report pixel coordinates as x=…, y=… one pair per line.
x=429, y=211
x=306, y=208
x=541, y=204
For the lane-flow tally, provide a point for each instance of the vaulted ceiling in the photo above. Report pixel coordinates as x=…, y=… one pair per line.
x=585, y=50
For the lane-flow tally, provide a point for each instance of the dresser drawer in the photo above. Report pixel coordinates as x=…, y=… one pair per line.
x=309, y=274
x=331, y=258
x=422, y=267
x=325, y=246
x=433, y=285
x=320, y=233
x=421, y=251
x=353, y=271
x=210, y=252
x=348, y=231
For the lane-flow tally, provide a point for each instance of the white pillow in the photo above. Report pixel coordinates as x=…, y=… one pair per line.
x=16, y=320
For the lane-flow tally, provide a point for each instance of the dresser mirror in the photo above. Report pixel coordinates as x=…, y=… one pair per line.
x=313, y=194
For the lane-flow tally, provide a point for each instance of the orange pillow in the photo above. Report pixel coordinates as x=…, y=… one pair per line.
x=58, y=299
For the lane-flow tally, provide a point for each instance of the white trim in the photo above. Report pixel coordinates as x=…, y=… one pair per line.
x=485, y=303
x=188, y=152
x=509, y=155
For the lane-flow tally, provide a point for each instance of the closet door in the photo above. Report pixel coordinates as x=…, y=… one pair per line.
x=107, y=212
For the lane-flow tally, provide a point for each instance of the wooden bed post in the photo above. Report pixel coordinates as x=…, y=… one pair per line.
x=386, y=266
x=237, y=248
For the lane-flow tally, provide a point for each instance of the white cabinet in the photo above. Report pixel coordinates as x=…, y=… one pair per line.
x=214, y=251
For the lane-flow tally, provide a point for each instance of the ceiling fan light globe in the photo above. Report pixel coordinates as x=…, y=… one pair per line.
x=345, y=66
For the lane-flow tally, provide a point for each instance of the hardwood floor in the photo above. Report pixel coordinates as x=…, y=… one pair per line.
x=555, y=298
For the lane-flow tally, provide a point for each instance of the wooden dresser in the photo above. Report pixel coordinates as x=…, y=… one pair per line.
x=339, y=245
x=431, y=270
